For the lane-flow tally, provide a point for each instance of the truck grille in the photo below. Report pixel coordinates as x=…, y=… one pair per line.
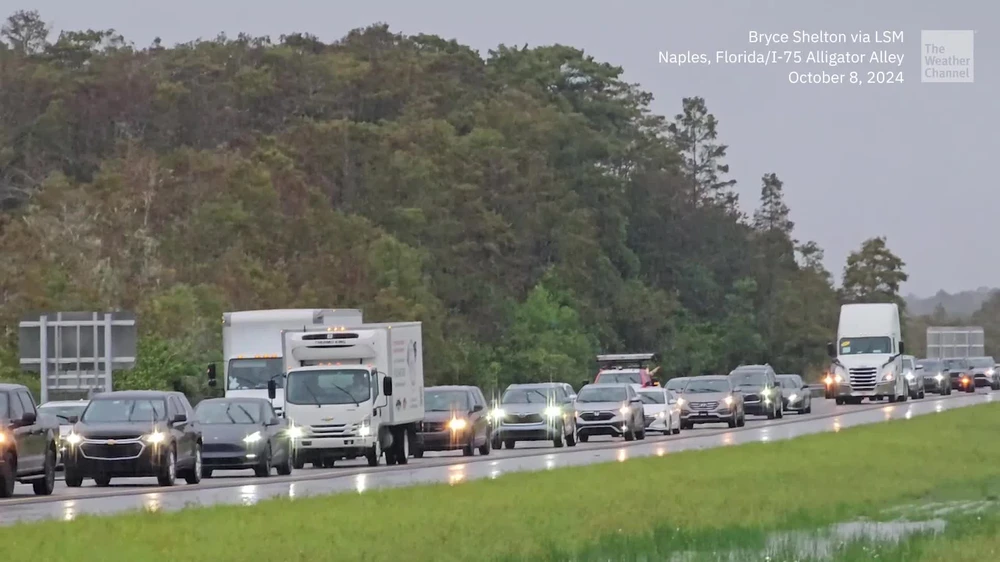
x=596, y=416
x=522, y=418
x=128, y=450
x=863, y=378
x=332, y=430
x=704, y=405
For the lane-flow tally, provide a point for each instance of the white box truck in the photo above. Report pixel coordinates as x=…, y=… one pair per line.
x=251, y=346
x=354, y=391
x=867, y=356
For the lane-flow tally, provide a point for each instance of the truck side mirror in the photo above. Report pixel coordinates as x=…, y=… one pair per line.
x=831, y=349
x=211, y=374
x=272, y=389
x=387, y=386
x=902, y=348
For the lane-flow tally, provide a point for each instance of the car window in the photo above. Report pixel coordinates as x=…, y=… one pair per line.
x=15, y=407
x=110, y=410
x=3, y=405
x=528, y=396
x=696, y=386
x=27, y=402
x=229, y=412
x=633, y=377
x=652, y=397
x=603, y=394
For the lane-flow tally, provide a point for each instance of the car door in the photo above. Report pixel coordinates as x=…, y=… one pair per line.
x=179, y=429
x=36, y=430
x=27, y=458
x=476, y=417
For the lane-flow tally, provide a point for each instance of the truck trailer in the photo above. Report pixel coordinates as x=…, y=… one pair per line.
x=354, y=391
x=252, y=347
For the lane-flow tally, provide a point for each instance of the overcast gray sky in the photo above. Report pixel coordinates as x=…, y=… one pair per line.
x=907, y=161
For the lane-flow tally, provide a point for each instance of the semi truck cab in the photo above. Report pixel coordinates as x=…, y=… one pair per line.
x=867, y=354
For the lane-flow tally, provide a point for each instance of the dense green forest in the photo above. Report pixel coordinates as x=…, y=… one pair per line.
x=527, y=207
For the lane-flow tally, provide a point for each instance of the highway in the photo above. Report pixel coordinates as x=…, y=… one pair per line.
x=355, y=476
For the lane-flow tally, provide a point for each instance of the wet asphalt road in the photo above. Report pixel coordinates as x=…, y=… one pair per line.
x=240, y=487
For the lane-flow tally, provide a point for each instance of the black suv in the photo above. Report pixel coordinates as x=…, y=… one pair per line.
x=135, y=434
x=27, y=445
x=762, y=395
x=455, y=417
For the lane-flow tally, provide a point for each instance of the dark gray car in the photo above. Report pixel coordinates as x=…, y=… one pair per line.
x=243, y=433
x=795, y=396
x=762, y=395
x=534, y=412
x=711, y=399
x=937, y=376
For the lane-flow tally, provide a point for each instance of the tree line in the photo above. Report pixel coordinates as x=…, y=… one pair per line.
x=528, y=207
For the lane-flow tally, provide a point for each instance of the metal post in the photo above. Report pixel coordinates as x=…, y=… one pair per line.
x=95, y=369
x=43, y=371
x=107, y=353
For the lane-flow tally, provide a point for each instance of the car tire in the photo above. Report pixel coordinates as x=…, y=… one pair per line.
x=558, y=441
x=497, y=443
x=193, y=476
x=8, y=475
x=102, y=481
x=285, y=468
x=732, y=423
x=47, y=484
x=168, y=472
x=73, y=478
x=509, y=443
x=641, y=434
x=583, y=438
x=263, y=468
x=676, y=429
x=206, y=473
x=571, y=437
x=487, y=446
x=742, y=421
x=809, y=409
x=297, y=461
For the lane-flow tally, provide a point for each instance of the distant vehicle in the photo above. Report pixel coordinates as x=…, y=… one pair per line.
x=867, y=356
x=914, y=376
x=795, y=396
x=960, y=372
x=660, y=410
x=937, y=378
x=455, y=417
x=534, y=412
x=629, y=368
x=67, y=412
x=711, y=399
x=243, y=433
x=27, y=443
x=984, y=372
x=761, y=392
x=677, y=384
x=135, y=433
x=613, y=409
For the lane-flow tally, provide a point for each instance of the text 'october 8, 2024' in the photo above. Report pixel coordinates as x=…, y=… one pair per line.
x=859, y=58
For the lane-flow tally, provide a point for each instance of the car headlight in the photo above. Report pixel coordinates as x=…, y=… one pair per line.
x=457, y=424
x=252, y=438
x=793, y=397
x=681, y=402
x=828, y=380
x=989, y=372
x=3, y=438
x=728, y=400
x=498, y=414
x=553, y=412
x=939, y=377
x=71, y=438
x=889, y=377
x=838, y=378
x=156, y=437
x=766, y=392
x=295, y=432
x=624, y=410
x=909, y=376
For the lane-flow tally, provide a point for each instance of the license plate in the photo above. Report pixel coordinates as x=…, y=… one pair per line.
x=702, y=413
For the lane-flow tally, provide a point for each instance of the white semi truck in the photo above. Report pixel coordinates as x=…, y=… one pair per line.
x=354, y=391
x=867, y=356
x=251, y=346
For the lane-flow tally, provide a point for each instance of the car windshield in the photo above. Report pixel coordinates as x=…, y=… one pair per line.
x=708, y=385
x=253, y=374
x=605, y=394
x=627, y=377
x=748, y=378
x=789, y=382
x=864, y=346
x=3, y=406
x=446, y=401
x=652, y=398
x=229, y=412
x=329, y=386
x=677, y=383
x=953, y=364
x=981, y=362
x=63, y=412
x=110, y=410
x=931, y=366
x=528, y=396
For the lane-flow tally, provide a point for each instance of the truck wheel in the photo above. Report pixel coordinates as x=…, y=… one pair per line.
x=7, y=475
x=46, y=485
x=403, y=454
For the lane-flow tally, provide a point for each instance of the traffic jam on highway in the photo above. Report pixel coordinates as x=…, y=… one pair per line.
x=317, y=386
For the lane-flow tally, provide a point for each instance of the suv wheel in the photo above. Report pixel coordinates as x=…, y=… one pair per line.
x=46, y=485
x=8, y=475
x=168, y=472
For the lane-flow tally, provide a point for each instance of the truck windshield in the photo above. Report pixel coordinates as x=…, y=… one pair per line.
x=627, y=377
x=329, y=386
x=253, y=374
x=446, y=401
x=125, y=410
x=981, y=362
x=863, y=346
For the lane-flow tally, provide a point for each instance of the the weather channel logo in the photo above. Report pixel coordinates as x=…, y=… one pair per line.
x=946, y=56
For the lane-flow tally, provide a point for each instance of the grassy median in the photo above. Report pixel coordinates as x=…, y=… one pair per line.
x=715, y=499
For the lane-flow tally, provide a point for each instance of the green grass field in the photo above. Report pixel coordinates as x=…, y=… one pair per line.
x=706, y=501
